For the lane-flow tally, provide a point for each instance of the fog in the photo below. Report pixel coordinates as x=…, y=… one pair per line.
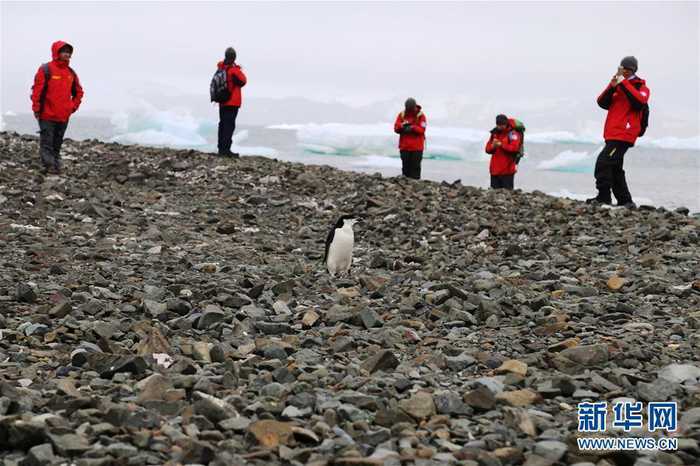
x=547, y=61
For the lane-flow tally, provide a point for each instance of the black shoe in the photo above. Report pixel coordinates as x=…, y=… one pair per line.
x=597, y=201
x=628, y=205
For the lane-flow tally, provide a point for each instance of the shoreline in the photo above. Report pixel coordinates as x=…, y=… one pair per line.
x=439, y=170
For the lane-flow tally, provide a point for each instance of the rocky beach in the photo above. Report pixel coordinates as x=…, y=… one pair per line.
x=170, y=307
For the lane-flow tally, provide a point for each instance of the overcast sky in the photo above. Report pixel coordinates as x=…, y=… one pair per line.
x=531, y=52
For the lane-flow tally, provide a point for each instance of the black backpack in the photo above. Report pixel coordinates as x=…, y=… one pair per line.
x=644, y=119
x=47, y=76
x=218, y=89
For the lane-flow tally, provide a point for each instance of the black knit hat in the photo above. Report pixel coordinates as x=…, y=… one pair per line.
x=630, y=63
x=66, y=48
x=501, y=119
x=230, y=55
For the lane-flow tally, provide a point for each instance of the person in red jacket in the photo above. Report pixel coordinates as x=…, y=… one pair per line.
x=410, y=125
x=625, y=99
x=56, y=95
x=503, y=145
x=228, y=111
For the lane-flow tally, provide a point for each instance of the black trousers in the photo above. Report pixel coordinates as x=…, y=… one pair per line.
x=609, y=174
x=410, y=163
x=50, y=140
x=227, y=125
x=502, y=181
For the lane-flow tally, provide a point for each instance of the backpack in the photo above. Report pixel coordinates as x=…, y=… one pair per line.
x=218, y=89
x=519, y=127
x=644, y=118
x=47, y=77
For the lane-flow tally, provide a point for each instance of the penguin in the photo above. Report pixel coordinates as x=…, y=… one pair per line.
x=339, y=244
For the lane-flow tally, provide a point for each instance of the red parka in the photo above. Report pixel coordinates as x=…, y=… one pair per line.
x=236, y=80
x=502, y=157
x=415, y=139
x=59, y=102
x=624, y=104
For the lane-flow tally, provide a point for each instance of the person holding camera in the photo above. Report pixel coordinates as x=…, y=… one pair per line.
x=503, y=145
x=410, y=126
x=626, y=99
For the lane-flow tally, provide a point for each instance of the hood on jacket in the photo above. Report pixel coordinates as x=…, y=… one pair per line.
x=638, y=80
x=509, y=128
x=221, y=65
x=418, y=110
x=56, y=46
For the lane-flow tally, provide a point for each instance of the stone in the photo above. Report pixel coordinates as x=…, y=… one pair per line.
x=460, y=362
x=154, y=308
x=67, y=387
x=384, y=360
x=659, y=390
x=60, y=310
x=274, y=328
x=518, y=418
x=481, y=398
x=281, y=308
x=370, y=319
x=109, y=364
x=690, y=417
x=201, y=351
x=236, y=424
x=615, y=283
x=283, y=287
x=40, y=455
x=550, y=449
x=226, y=228
x=449, y=402
x=69, y=444
x=587, y=355
x=419, y=406
x=213, y=408
x=679, y=373
x=310, y=318
x=178, y=306
x=153, y=387
x=513, y=366
x=25, y=293
x=518, y=398
x=212, y=315
x=271, y=434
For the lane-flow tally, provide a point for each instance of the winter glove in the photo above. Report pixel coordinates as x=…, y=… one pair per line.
x=406, y=128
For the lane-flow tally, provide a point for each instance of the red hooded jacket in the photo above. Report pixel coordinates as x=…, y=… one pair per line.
x=236, y=80
x=59, y=102
x=502, y=157
x=624, y=104
x=415, y=140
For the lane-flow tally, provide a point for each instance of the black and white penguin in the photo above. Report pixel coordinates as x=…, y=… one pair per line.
x=339, y=244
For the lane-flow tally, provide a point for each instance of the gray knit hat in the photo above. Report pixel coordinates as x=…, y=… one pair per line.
x=630, y=63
